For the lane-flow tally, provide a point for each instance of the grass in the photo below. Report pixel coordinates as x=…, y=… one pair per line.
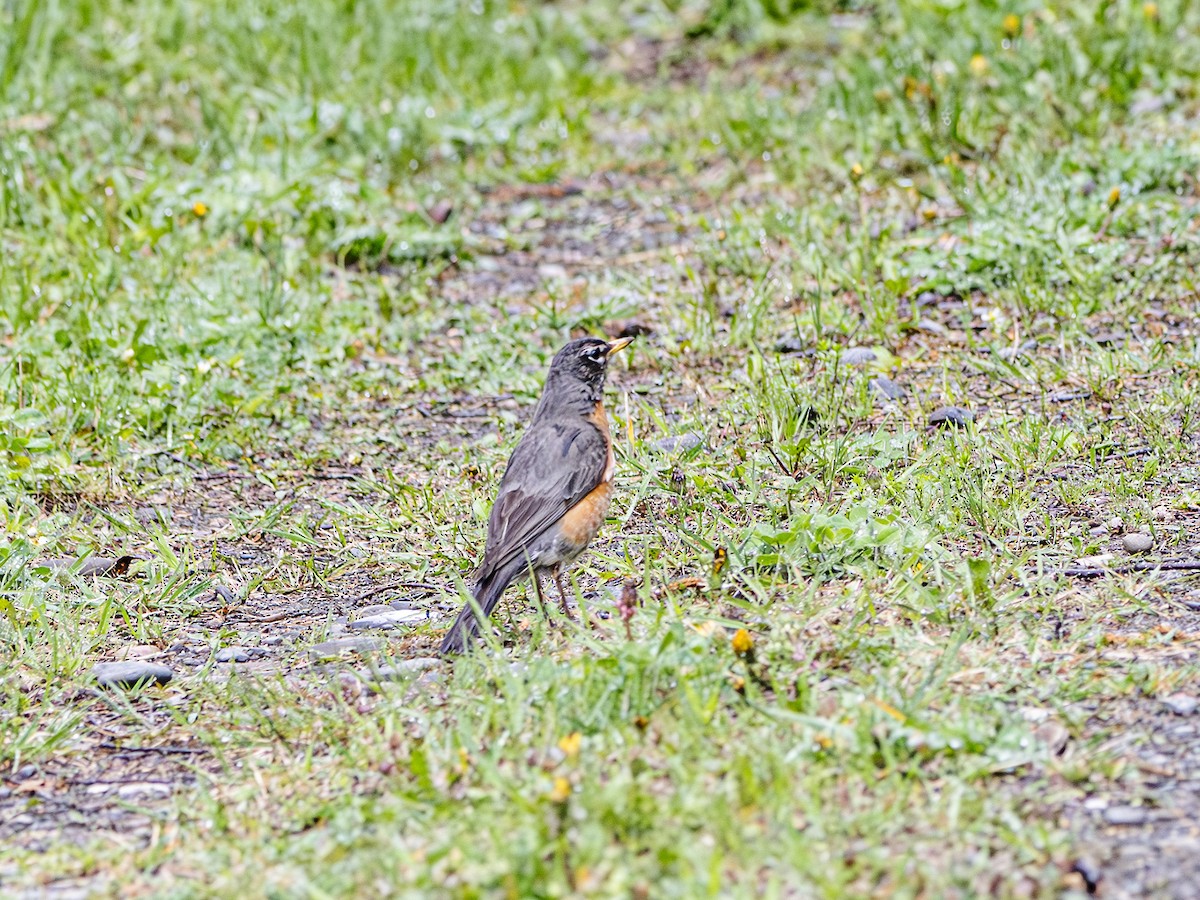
x=278, y=291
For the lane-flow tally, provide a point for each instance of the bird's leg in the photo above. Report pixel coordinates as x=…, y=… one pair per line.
x=541, y=598
x=562, y=593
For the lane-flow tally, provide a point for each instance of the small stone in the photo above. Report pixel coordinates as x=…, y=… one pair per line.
x=137, y=651
x=232, y=654
x=26, y=772
x=144, y=789
x=441, y=211
x=392, y=619
x=1137, y=542
x=951, y=416
x=793, y=345
x=887, y=388
x=374, y=610
x=1054, y=735
x=1099, y=561
x=680, y=443
x=402, y=669
x=1089, y=871
x=858, y=356
x=222, y=594
x=341, y=645
x=552, y=272
x=130, y=674
x=1181, y=704
x=1125, y=815
x=1116, y=523
x=273, y=641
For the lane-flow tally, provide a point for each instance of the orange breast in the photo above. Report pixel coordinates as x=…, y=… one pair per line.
x=582, y=523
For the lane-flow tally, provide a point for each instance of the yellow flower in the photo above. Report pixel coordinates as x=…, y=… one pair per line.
x=743, y=643
x=199, y=209
x=856, y=172
x=1012, y=24
x=1150, y=11
x=570, y=744
x=978, y=65
x=1114, y=197
x=561, y=790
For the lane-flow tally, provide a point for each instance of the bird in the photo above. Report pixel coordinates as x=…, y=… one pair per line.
x=555, y=490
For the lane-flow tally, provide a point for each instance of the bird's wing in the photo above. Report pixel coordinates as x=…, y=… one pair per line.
x=553, y=468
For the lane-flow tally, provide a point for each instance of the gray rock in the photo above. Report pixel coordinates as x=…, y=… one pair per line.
x=679, y=443
x=1136, y=542
x=794, y=345
x=273, y=641
x=341, y=645
x=1125, y=815
x=393, y=618
x=951, y=417
x=144, y=789
x=887, y=388
x=858, y=356
x=232, y=654
x=373, y=610
x=1181, y=704
x=26, y=771
x=402, y=669
x=1054, y=735
x=130, y=673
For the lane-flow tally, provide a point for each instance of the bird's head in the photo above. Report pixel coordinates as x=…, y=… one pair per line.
x=585, y=362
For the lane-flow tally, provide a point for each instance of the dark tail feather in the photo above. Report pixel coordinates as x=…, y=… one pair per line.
x=487, y=594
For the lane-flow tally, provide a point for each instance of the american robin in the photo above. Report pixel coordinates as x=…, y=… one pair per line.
x=555, y=491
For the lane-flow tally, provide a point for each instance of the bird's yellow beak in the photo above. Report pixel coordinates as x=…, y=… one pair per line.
x=619, y=344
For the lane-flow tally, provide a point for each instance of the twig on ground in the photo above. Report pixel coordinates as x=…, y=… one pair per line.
x=1170, y=565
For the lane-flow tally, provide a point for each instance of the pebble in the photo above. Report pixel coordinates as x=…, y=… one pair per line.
x=26, y=771
x=392, y=619
x=373, y=610
x=1089, y=871
x=858, y=356
x=1116, y=523
x=1125, y=815
x=137, y=651
x=947, y=416
x=552, y=272
x=887, y=388
x=355, y=644
x=232, y=654
x=1137, y=542
x=1181, y=704
x=273, y=641
x=679, y=443
x=129, y=674
x=144, y=789
x=1054, y=735
x=793, y=345
x=222, y=594
x=402, y=669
